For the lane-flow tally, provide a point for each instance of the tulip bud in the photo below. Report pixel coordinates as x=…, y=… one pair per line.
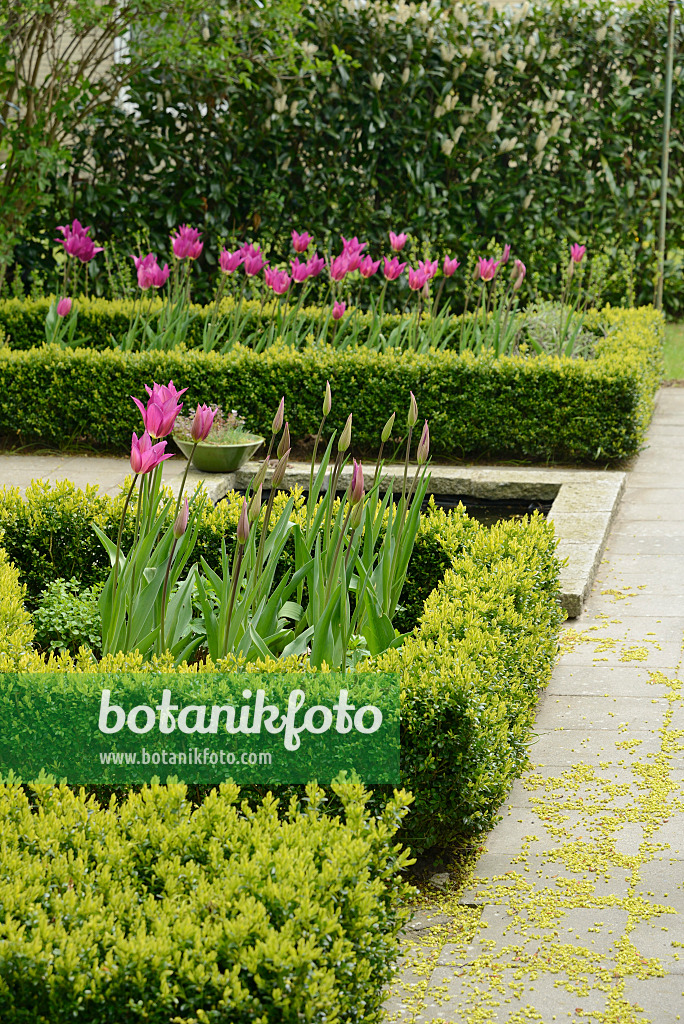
x=327, y=401
x=64, y=307
x=181, y=523
x=356, y=489
x=255, y=505
x=243, y=525
x=387, y=429
x=345, y=436
x=413, y=411
x=476, y=272
x=279, y=471
x=423, y=445
x=356, y=517
x=260, y=475
x=284, y=445
x=279, y=416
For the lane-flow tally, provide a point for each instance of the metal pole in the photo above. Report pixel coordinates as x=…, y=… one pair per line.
x=666, y=152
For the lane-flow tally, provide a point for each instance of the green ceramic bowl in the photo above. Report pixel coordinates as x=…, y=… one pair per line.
x=220, y=458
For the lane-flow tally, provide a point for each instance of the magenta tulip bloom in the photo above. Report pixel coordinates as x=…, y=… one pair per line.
x=202, y=423
x=417, y=278
x=339, y=267
x=150, y=274
x=162, y=392
x=577, y=252
x=423, y=446
x=278, y=280
x=505, y=255
x=353, y=250
x=339, y=310
x=393, y=269
x=144, y=455
x=487, y=268
x=300, y=243
x=398, y=241
x=315, y=265
x=368, y=266
x=230, y=261
x=77, y=243
x=186, y=243
x=429, y=266
x=249, y=249
x=450, y=266
x=181, y=523
x=254, y=264
x=64, y=307
x=300, y=271
x=356, y=487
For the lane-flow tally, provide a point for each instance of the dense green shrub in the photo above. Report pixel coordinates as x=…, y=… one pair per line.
x=538, y=407
x=67, y=617
x=16, y=631
x=457, y=122
x=150, y=909
x=470, y=673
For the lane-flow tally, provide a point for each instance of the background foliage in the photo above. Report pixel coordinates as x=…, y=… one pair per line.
x=534, y=124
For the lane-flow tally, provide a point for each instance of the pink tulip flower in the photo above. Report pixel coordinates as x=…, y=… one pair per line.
x=519, y=271
x=300, y=243
x=248, y=249
x=181, y=523
x=505, y=255
x=64, y=307
x=368, y=266
x=162, y=392
x=145, y=456
x=186, y=243
x=450, y=266
x=487, y=268
x=77, y=243
x=417, y=278
x=577, y=252
x=315, y=265
x=300, y=271
x=339, y=267
x=150, y=274
x=429, y=266
x=392, y=269
x=398, y=241
x=356, y=487
x=202, y=423
x=423, y=446
x=353, y=250
x=339, y=310
x=254, y=264
x=278, y=280
x=230, y=261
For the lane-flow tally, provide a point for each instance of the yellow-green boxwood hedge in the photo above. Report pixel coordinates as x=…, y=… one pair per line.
x=485, y=643
x=536, y=408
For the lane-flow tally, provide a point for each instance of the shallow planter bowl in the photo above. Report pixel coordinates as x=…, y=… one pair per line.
x=220, y=458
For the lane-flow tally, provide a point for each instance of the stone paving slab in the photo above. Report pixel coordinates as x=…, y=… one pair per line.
x=581, y=886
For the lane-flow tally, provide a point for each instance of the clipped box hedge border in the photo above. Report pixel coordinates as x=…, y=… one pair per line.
x=537, y=408
x=470, y=672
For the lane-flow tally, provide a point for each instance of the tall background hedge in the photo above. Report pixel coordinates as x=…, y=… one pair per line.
x=534, y=124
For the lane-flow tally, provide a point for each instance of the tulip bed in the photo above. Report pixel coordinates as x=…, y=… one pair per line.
x=478, y=406
x=484, y=644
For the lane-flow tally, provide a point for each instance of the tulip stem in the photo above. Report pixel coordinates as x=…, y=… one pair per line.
x=118, y=539
x=185, y=476
x=163, y=601
x=237, y=565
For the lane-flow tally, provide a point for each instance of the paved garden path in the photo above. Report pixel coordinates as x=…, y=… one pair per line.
x=576, y=912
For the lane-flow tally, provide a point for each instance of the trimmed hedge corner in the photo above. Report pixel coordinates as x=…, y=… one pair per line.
x=484, y=646
x=150, y=909
x=537, y=408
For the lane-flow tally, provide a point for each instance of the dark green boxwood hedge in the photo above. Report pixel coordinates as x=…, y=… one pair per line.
x=536, y=408
x=484, y=645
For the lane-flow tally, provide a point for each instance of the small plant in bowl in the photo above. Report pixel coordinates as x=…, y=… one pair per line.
x=217, y=442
